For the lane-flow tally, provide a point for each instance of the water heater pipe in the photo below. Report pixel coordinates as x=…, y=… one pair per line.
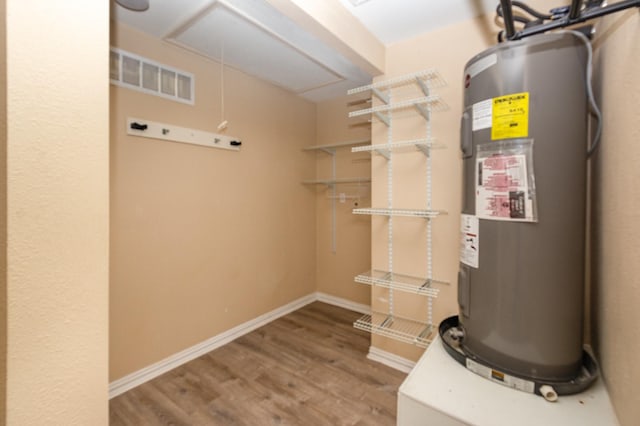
x=562, y=22
x=507, y=15
x=548, y=393
x=574, y=11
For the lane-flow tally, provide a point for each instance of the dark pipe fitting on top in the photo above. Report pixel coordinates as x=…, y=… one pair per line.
x=507, y=16
x=574, y=11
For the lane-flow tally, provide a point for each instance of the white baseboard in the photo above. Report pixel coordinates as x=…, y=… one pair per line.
x=343, y=303
x=154, y=370
x=390, y=360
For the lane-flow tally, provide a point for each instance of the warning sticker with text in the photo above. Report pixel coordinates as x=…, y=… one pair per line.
x=469, y=240
x=501, y=188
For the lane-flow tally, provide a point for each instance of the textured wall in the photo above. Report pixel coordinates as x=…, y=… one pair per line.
x=3, y=213
x=57, y=197
x=616, y=204
x=204, y=239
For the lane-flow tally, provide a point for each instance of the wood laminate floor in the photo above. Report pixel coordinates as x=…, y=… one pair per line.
x=306, y=368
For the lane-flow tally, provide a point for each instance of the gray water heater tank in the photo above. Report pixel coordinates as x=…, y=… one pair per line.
x=524, y=144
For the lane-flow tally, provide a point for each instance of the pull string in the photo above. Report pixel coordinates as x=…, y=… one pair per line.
x=223, y=123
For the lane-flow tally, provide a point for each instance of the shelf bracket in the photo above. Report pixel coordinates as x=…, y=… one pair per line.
x=387, y=322
x=384, y=98
x=426, y=149
x=382, y=118
x=385, y=153
x=427, y=284
x=423, y=85
x=330, y=151
x=424, y=111
x=425, y=333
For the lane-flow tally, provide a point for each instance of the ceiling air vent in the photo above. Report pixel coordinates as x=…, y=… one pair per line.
x=135, y=72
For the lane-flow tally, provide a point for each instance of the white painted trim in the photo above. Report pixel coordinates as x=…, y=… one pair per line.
x=343, y=303
x=390, y=360
x=154, y=370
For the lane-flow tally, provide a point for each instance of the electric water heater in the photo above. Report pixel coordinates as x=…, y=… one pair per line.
x=522, y=237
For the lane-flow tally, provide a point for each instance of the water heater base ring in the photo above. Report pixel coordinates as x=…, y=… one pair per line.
x=450, y=333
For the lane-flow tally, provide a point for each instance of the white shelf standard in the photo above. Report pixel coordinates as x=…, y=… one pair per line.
x=424, y=145
x=402, y=282
x=398, y=328
x=337, y=145
x=424, y=105
x=425, y=79
x=330, y=182
x=427, y=214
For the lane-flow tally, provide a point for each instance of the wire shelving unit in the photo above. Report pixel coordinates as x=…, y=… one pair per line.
x=389, y=323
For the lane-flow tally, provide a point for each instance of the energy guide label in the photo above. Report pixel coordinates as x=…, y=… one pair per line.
x=507, y=116
x=510, y=116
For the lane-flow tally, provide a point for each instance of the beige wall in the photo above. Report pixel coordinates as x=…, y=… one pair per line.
x=336, y=271
x=205, y=239
x=3, y=212
x=57, y=198
x=616, y=204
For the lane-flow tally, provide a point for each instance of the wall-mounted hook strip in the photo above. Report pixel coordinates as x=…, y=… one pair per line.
x=173, y=133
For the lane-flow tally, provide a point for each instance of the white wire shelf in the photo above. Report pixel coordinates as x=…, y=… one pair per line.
x=330, y=182
x=434, y=102
x=423, y=145
x=428, y=214
x=406, y=283
x=336, y=145
x=394, y=327
x=429, y=76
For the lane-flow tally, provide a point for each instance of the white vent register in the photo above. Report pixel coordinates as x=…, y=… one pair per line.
x=138, y=73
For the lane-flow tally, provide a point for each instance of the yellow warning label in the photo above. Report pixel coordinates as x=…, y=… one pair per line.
x=510, y=116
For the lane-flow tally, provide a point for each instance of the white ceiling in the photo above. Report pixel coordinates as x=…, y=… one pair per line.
x=260, y=41
x=396, y=20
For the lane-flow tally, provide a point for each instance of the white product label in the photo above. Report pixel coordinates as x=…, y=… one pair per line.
x=481, y=115
x=469, y=240
x=502, y=192
x=500, y=377
x=481, y=65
